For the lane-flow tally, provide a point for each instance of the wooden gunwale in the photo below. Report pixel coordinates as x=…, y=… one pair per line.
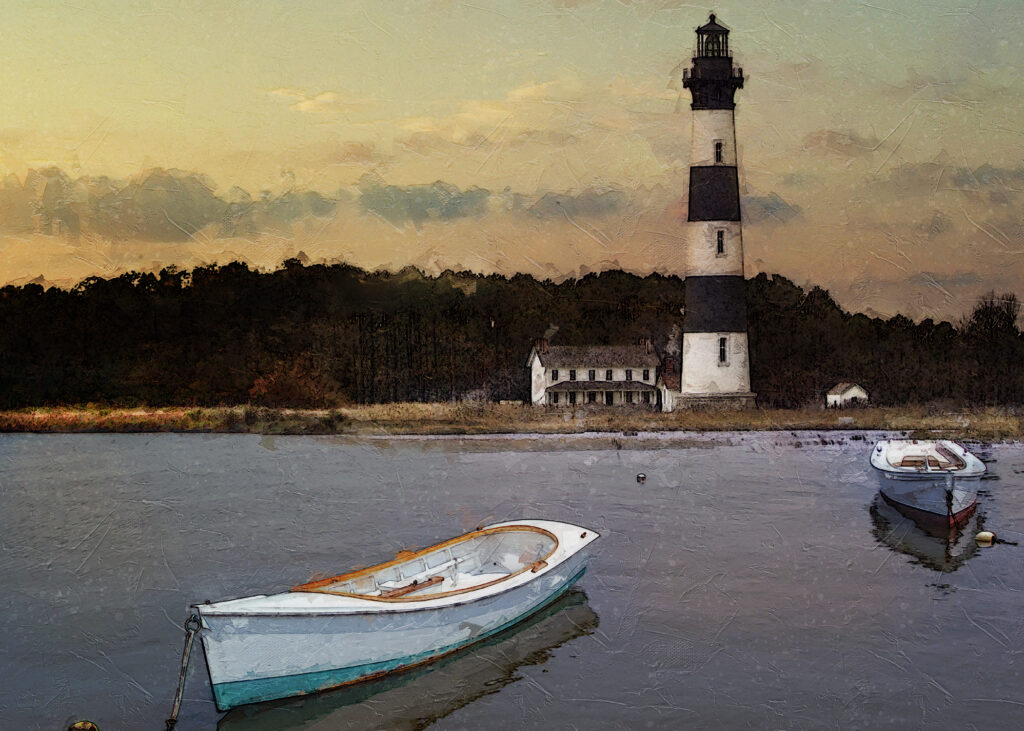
x=405, y=556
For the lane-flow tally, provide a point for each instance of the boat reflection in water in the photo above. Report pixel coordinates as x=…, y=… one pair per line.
x=415, y=698
x=941, y=549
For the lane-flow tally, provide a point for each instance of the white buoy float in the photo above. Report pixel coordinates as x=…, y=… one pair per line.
x=985, y=538
x=641, y=478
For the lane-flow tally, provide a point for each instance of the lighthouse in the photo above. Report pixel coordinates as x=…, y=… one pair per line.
x=715, y=370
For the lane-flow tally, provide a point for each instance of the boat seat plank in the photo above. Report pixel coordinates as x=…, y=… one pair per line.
x=915, y=461
x=410, y=588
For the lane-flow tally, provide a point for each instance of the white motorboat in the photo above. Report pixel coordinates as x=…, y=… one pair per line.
x=932, y=481
x=395, y=615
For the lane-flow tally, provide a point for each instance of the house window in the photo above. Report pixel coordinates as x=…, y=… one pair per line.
x=720, y=243
x=554, y=375
x=572, y=375
x=629, y=374
x=572, y=395
x=647, y=374
x=647, y=397
x=629, y=397
x=591, y=375
x=609, y=397
x=608, y=374
x=718, y=151
x=554, y=398
x=591, y=397
x=722, y=353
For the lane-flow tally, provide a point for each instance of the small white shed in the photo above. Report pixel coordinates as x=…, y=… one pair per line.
x=845, y=394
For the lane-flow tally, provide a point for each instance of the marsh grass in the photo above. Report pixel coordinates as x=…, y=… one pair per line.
x=489, y=418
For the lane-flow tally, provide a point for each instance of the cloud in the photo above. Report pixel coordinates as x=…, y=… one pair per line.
x=836, y=142
x=959, y=279
x=589, y=203
x=418, y=203
x=987, y=176
x=318, y=103
x=157, y=206
x=770, y=208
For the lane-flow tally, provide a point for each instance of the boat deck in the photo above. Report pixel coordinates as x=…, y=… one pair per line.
x=472, y=561
x=925, y=457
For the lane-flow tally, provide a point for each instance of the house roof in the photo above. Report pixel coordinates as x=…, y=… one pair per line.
x=598, y=356
x=601, y=386
x=840, y=388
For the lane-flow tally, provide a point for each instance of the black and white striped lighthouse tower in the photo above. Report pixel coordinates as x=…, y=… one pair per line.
x=715, y=363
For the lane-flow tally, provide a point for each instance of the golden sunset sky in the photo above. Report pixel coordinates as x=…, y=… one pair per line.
x=880, y=142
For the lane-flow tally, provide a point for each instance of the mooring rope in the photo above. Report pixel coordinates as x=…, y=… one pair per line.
x=192, y=626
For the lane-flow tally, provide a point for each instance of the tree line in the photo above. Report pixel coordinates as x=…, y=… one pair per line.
x=320, y=335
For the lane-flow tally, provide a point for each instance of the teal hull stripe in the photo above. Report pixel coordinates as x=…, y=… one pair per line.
x=240, y=692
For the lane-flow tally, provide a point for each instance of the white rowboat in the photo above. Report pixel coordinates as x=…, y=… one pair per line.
x=419, y=696
x=396, y=615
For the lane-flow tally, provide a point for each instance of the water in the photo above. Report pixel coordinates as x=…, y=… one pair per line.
x=748, y=582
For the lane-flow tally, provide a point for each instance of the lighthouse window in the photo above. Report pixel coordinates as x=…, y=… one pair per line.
x=718, y=152
x=722, y=359
x=720, y=243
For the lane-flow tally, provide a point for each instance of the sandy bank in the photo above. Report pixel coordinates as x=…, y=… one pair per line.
x=519, y=422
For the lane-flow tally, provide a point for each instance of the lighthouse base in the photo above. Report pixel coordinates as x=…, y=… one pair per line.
x=713, y=401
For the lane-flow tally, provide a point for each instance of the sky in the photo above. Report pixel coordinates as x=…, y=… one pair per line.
x=881, y=143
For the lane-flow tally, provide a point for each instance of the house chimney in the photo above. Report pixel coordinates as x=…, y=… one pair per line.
x=541, y=344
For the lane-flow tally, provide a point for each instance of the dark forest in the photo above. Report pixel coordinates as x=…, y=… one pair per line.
x=319, y=336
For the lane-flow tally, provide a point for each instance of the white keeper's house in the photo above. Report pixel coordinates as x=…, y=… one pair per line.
x=613, y=375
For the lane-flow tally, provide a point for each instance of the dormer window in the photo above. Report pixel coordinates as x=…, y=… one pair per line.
x=719, y=154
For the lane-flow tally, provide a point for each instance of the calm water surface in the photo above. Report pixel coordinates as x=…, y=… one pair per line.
x=748, y=582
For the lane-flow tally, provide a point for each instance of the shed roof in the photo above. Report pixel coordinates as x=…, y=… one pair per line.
x=598, y=356
x=840, y=388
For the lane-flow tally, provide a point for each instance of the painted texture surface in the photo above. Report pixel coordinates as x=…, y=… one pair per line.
x=879, y=143
x=879, y=152
x=751, y=580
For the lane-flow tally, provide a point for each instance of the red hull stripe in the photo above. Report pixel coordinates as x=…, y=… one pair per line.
x=957, y=520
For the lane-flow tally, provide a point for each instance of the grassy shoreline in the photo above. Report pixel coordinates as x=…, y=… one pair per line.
x=474, y=419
